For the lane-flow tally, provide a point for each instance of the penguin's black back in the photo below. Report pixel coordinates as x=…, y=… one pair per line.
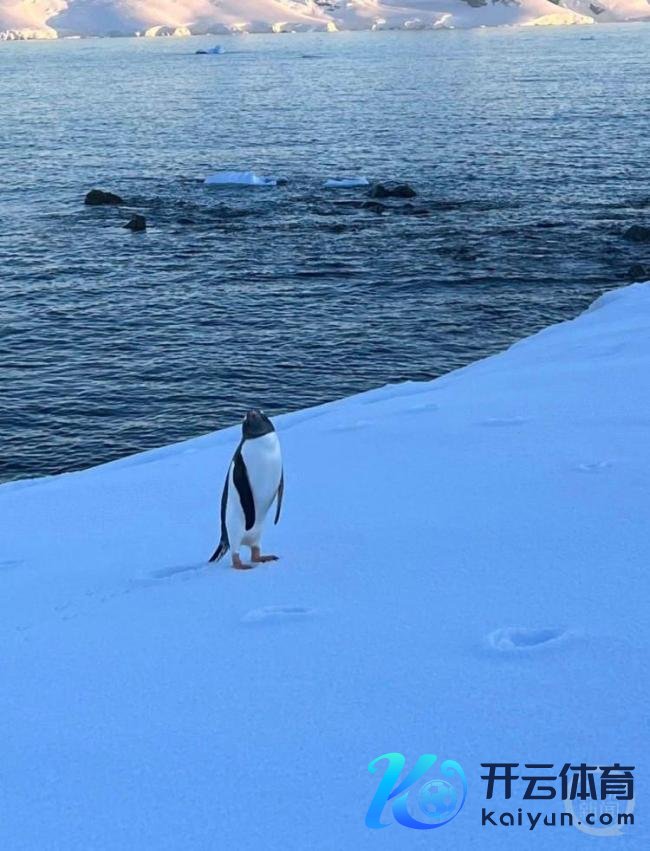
x=243, y=487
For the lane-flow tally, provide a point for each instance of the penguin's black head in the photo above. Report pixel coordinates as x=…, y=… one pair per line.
x=256, y=424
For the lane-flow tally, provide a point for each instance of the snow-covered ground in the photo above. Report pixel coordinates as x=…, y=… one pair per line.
x=52, y=18
x=464, y=572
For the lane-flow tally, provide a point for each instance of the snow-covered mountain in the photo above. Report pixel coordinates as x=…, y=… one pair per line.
x=611, y=11
x=464, y=572
x=52, y=18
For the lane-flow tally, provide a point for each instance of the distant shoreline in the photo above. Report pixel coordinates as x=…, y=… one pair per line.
x=72, y=23
x=322, y=19
x=45, y=36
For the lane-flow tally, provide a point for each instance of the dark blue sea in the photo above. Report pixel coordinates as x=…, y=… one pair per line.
x=528, y=149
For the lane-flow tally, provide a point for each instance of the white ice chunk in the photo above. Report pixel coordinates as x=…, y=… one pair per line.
x=345, y=182
x=239, y=178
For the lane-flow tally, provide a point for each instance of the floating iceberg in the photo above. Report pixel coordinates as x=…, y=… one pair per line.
x=345, y=182
x=239, y=178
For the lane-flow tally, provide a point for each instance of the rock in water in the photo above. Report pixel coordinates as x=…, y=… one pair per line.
x=392, y=190
x=637, y=233
x=136, y=223
x=374, y=207
x=413, y=210
x=638, y=272
x=97, y=196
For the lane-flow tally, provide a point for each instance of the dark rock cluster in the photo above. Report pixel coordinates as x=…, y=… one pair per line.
x=637, y=233
x=137, y=223
x=392, y=190
x=97, y=197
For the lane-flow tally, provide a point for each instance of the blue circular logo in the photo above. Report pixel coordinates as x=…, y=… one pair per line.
x=438, y=799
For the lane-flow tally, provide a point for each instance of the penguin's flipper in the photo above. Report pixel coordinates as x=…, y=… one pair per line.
x=243, y=487
x=280, y=494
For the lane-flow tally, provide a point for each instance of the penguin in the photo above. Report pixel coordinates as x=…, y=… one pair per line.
x=254, y=480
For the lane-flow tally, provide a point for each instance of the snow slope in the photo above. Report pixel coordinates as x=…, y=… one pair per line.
x=150, y=702
x=181, y=17
x=434, y=14
x=609, y=11
x=29, y=18
x=49, y=18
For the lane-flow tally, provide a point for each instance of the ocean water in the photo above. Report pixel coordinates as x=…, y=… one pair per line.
x=527, y=147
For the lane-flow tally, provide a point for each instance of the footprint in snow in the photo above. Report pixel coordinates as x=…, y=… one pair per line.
x=351, y=426
x=398, y=391
x=10, y=563
x=277, y=614
x=524, y=639
x=175, y=569
x=155, y=577
x=503, y=421
x=594, y=466
x=300, y=417
x=423, y=408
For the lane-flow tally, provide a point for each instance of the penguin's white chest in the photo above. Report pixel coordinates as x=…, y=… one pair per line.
x=263, y=460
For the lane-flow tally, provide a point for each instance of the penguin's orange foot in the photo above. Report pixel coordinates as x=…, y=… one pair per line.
x=238, y=564
x=258, y=558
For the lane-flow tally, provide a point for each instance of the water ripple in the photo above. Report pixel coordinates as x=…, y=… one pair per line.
x=112, y=342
